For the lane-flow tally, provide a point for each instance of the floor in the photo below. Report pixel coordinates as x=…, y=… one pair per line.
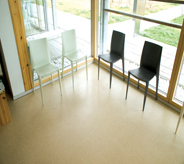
x=90, y=124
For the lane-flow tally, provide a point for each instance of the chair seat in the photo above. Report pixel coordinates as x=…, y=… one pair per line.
x=46, y=70
x=110, y=58
x=75, y=56
x=142, y=74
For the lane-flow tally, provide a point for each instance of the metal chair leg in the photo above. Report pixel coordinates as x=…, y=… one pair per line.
x=59, y=82
x=76, y=65
x=86, y=68
x=145, y=95
x=111, y=65
x=41, y=89
x=72, y=73
x=123, y=66
x=52, y=79
x=157, y=82
x=181, y=115
x=62, y=66
x=33, y=80
x=98, y=67
x=127, y=85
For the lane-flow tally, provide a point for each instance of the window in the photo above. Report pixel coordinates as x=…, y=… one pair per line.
x=33, y=14
x=49, y=18
x=121, y=16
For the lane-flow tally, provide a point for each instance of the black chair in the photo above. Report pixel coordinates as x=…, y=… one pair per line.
x=149, y=67
x=116, y=52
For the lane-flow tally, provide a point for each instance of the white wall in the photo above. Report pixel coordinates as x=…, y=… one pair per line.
x=10, y=49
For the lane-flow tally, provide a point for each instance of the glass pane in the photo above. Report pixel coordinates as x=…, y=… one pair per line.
x=125, y=6
x=147, y=7
x=72, y=15
x=50, y=15
x=179, y=93
x=99, y=41
x=157, y=10
x=137, y=32
x=33, y=15
x=69, y=14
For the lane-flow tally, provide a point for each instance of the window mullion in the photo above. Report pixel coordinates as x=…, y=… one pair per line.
x=54, y=14
x=177, y=66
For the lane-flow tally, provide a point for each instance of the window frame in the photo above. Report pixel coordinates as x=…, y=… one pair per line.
x=169, y=98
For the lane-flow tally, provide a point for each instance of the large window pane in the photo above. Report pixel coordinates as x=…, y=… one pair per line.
x=50, y=15
x=179, y=93
x=54, y=17
x=76, y=15
x=33, y=14
x=72, y=15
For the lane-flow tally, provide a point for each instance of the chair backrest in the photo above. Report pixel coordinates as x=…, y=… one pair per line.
x=69, y=42
x=39, y=53
x=151, y=56
x=117, y=43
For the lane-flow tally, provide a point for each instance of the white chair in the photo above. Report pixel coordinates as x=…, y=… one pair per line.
x=69, y=50
x=181, y=114
x=40, y=62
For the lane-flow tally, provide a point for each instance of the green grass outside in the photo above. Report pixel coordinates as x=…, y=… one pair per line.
x=82, y=8
x=115, y=18
x=76, y=7
x=158, y=6
x=165, y=34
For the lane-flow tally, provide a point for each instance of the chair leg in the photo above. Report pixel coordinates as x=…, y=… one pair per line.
x=138, y=85
x=157, y=82
x=127, y=84
x=62, y=66
x=181, y=115
x=33, y=80
x=86, y=68
x=52, y=79
x=41, y=89
x=72, y=73
x=145, y=95
x=111, y=65
x=59, y=81
x=76, y=65
x=98, y=67
x=123, y=66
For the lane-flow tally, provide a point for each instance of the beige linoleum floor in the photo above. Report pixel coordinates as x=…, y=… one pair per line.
x=90, y=124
